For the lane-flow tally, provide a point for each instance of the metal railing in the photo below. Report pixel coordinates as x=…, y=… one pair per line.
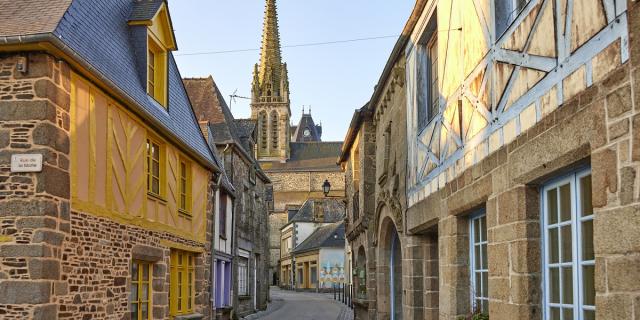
x=343, y=293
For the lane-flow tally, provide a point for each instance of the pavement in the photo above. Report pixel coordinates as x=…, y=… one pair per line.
x=291, y=305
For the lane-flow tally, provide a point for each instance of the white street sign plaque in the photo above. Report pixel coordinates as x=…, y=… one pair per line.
x=26, y=163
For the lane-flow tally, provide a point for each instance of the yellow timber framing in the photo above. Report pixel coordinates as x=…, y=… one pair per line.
x=105, y=211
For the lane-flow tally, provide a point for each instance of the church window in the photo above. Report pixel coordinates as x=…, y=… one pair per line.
x=274, y=130
x=263, y=130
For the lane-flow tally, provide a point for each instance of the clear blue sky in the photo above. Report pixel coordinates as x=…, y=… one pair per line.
x=333, y=79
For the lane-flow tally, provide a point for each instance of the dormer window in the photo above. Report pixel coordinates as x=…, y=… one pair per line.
x=156, y=71
x=150, y=21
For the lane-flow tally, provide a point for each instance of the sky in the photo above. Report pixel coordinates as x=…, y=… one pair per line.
x=333, y=79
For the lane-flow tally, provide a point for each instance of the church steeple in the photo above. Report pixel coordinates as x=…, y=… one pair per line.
x=270, y=93
x=271, y=80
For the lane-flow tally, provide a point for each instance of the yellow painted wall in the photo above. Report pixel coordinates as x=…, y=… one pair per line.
x=108, y=166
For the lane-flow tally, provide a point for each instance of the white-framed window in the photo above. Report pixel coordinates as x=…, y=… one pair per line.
x=506, y=12
x=428, y=90
x=569, y=260
x=479, y=266
x=243, y=276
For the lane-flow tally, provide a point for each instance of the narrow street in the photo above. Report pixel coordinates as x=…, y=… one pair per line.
x=290, y=305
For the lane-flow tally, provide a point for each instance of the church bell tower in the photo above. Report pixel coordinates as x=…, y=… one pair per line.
x=270, y=105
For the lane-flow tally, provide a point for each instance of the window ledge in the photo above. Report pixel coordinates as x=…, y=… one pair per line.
x=193, y=316
x=185, y=214
x=156, y=197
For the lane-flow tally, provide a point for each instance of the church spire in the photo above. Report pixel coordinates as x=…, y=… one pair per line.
x=271, y=79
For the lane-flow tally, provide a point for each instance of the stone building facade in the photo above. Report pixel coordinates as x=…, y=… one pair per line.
x=521, y=183
x=98, y=224
x=235, y=143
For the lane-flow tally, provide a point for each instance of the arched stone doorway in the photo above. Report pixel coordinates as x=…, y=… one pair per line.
x=390, y=287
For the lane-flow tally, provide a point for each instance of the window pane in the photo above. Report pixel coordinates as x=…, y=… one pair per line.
x=155, y=168
x=585, y=196
x=145, y=272
x=589, y=291
x=134, y=271
x=145, y=311
x=567, y=285
x=134, y=292
x=155, y=186
x=553, y=246
x=156, y=152
x=566, y=241
x=567, y=314
x=483, y=229
x=134, y=311
x=485, y=284
x=145, y=292
x=476, y=230
x=565, y=202
x=587, y=240
x=485, y=262
x=555, y=314
x=476, y=257
x=554, y=285
x=552, y=206
x=589, y=315
x=478, y=285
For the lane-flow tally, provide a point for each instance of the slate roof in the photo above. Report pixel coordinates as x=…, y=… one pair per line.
x=332, y=208
x=144, y=9
x=97, y=34
x=306, y=122
x=309, y=156
x=328, y=236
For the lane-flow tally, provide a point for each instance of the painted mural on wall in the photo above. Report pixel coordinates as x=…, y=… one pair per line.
x=331, y=268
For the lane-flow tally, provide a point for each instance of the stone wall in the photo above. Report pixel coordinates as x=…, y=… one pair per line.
x=34, y=207
x=597, y=127
x=251, y=231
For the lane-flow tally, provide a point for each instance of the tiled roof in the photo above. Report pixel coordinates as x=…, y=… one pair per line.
x=245, y=127
x=145, y=9
x=27, y=17
x=328, y=236
x=312, y=156
x=209, y=105
x=333, y=210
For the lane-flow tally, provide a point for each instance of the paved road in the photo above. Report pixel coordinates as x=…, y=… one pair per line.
x=289, y=305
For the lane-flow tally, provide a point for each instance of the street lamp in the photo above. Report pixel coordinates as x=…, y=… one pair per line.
x=326, y=187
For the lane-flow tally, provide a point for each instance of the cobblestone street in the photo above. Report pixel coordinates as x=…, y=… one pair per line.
x=291, y=305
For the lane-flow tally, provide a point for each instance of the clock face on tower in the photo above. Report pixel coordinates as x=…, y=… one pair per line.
x=307, y=133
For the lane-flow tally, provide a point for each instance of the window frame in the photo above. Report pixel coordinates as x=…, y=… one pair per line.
x=139, y=283
x=161, y=166
x=160, y=67
x=577, y=262
x=513, y=15
x=185, y=190
x=427, y=111
x=183, y=282
x=478, y=217
x=222, y=216
x=243, y=276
